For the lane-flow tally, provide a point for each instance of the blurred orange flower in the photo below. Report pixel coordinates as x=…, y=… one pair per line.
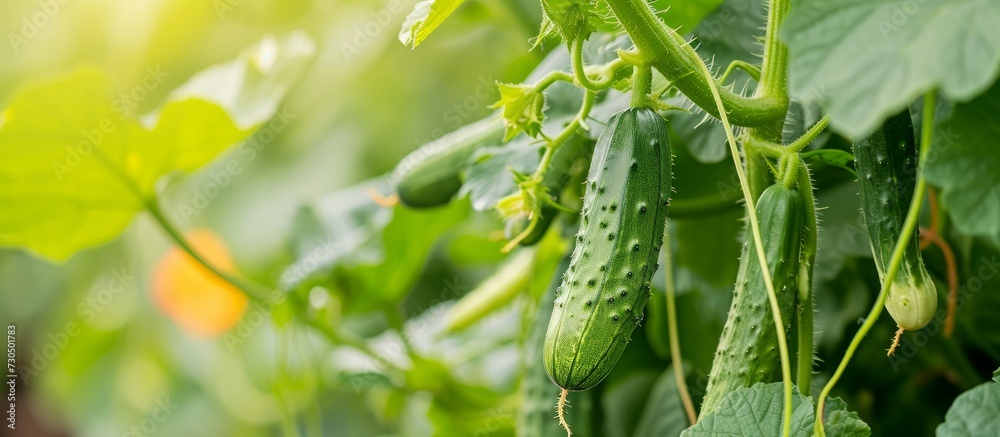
x=200, y=302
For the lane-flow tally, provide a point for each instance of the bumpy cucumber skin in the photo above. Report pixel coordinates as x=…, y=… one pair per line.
x=748, y=349
x=886, y=163
x=600, y=300
x=534, y=417
x=431, y=175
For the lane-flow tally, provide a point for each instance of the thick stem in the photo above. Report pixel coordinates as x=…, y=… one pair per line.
x=897, y=256
x=642, y=82
x=669, y=53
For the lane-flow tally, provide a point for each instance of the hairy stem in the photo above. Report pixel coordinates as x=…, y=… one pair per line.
x=673, y=57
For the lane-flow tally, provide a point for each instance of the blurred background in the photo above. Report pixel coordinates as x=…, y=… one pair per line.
x=362, y=104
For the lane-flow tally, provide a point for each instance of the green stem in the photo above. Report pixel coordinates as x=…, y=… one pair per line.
x=642, y=82
x=675, y=344
x=810, y=244
x=779, y=325
x=774, y=66
x=255, y=292
x=897, y=255
x=673, y=57
x=747, y=67
x=565, y=135
x=259, y=293
x=809, y=136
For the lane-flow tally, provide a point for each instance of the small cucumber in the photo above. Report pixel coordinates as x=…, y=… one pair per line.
x=431, y=175
x=748, y=349
x=886, y=163
x=600, y=300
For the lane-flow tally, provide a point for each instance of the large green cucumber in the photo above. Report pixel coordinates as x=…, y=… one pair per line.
x=601, y=298
x=747, y=352
x=886, y=163
x=431, y=175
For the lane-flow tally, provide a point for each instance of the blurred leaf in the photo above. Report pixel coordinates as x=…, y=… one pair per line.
x=489, y=178
x=683, y=15
x=623, y=403
x=963, y=162
x=859, y=58
x=835, y=157
x=406, y=241
x=341, y=227
x=72, y=155
x=251, y=86
x=975, y=412
x=663, y=414
x=841, y=422
x=710, y=246
x=67, y=156
x=425, y=17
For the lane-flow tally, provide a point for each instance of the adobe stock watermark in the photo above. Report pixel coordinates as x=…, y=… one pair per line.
x=897, y=15
x=224, y=7
x=96, y=302
x=220, y=176
x=393, y=351
x=364, y=33
x=149, y=425
x=909, y=344
x=122, y=106
x=34, y=23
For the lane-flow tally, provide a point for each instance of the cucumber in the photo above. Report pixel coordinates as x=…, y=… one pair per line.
x=747, y=352
x=886, y=163
x=534, y=416
x=495, y=292
x=600, y=300
x=568, y=164
x=431, y=175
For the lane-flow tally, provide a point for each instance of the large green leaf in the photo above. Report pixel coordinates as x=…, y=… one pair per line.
x=974, y=413
x=963, y=161
x=867, y=59
x=425, y=17
x=76, y=164
x=758, y=410
x=74, y=171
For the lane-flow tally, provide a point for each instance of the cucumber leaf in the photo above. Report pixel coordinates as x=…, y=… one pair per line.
x=975, y=412
x=424, y=19
x=962, y=162
x=757, y=411
x=76, y=164
x=865, y=60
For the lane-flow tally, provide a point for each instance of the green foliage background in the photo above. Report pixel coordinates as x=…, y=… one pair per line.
x=299, y=217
